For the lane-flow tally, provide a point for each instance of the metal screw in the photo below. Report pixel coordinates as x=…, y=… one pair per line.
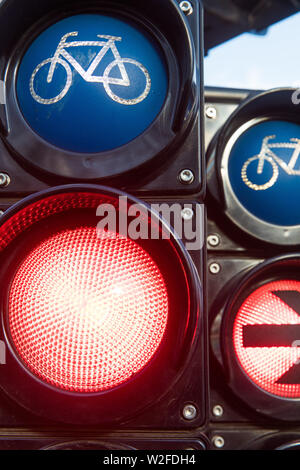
x=189, y=412
x=187, y=213
x=218, y=442
x=214, y=268
x=213, y=240
x=4, y=180
x=218, y=411
x=186, y=176
x=211, y=112
x=186, y=7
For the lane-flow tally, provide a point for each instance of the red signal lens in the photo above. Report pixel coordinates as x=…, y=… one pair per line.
x=88, y=310
x=86, y=313
x=266, y=337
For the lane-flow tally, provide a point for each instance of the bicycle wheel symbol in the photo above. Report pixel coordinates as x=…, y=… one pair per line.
x=107, y=81
x=117, y=98
x=63, y=92
x=269, y=183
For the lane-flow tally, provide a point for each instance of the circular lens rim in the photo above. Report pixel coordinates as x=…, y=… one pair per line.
x=88, y=444
x=123, y=400
x=119, y=162
x=255, y=397
x=267, y=106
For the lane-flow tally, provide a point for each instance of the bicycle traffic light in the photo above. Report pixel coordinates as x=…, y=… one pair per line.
x=103, y=322
x=123, y=108
x=253, y=288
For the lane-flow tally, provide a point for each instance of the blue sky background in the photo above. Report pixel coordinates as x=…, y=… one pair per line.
x=258, y=62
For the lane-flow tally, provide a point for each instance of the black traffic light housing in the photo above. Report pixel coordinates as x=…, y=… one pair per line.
x=240, y=260
x=150, y=164
x=164, y=165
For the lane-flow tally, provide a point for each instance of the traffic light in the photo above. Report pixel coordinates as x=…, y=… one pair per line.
x=253, y=281
x=103, y=330
x=84, y=106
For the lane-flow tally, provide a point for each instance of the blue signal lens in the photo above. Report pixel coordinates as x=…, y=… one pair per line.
x=264, y=171
x=91, y=83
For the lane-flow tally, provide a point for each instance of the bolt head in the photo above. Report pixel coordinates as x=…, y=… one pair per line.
x=211, y=112
x=189, y=412
x=218, y=442
x=214, y=268
x=213, y=240
x=218, y=411
x=187, y=213
x=186, y=176
x=4, y=180
x=186, y=7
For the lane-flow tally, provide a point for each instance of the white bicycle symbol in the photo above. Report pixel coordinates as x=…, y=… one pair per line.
x=63, y=58
x=267, y=156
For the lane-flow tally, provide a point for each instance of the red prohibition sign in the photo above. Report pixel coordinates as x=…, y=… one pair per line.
x=266, y=337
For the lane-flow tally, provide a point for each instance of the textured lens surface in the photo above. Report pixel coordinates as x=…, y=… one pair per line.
x=87, y=311
x=266, y=337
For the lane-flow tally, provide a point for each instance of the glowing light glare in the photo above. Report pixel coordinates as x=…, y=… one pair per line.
x=87, y=313
x=266, y=365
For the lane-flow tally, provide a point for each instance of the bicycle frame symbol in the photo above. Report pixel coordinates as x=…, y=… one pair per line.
x=267, y=156
x=64, y=58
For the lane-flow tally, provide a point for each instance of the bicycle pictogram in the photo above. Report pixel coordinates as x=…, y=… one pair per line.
x=65, y=59
x=267, y=157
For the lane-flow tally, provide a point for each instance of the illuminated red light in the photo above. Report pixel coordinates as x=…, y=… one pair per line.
x=87, y=313
x=266, y=337
x=90, y=316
